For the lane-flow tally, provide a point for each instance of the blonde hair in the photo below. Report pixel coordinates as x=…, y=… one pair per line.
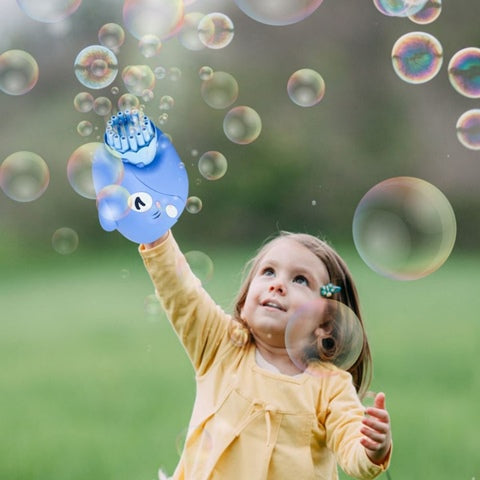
x=340, y=275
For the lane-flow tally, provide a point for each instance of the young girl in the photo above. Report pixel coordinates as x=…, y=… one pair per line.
x=258, y=415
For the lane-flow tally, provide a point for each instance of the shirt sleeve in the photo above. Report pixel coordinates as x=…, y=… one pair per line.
x=343, y=421
x=198, y=321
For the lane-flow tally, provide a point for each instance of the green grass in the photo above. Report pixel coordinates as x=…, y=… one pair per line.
x=94, y=386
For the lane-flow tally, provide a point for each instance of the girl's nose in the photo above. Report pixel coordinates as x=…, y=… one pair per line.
x=277, y=287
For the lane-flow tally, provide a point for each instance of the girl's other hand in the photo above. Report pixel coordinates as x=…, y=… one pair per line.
x=376, y=429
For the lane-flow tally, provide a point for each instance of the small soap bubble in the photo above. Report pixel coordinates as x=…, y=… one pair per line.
x=147, y=95
x=242, y=125
x=96, y=66
x=399, y=8
x=188, y=35
x=194, y=204
x=163, y=118
x=174, y=74
x=417, y=57
x=212, y=165
x=428, y=14
x=152, y=305
x=102, y=106
x=83, y=102
x=150, y=46
x=468, y=129
x=138, y=78
x=200, y=264
x=220, y=90
x=321, y=333
x=48, y=11
x=205, y=72
x=404, y=228
x=306, y=87
x=112, y=36
x=115, y=90
x=215, y=30
x=151, y=17
x=24, y=176
x=128, y=101
x=160, y=73
x=84, y=128
x=166, y=102
x=18, y=72
x=112, y=202
x=65, y=240
x=464, y=72
x=279, y=12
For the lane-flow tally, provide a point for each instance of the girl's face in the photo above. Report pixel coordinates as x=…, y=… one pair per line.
x=287, y=276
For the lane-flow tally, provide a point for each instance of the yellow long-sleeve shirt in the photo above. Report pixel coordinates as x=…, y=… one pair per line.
x=249, y=423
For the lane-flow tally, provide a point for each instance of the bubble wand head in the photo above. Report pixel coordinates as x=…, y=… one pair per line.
x=149, y=194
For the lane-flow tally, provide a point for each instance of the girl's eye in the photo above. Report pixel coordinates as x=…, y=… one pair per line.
x=301, y=280
x=268, y=272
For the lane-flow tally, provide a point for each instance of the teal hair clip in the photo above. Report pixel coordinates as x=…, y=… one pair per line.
x=329, y=289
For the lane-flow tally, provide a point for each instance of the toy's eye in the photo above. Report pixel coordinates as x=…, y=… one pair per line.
x=140, y=202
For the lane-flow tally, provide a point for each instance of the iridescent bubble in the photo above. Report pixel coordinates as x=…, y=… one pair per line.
x=242, y=125
x=65, y=240
x=115, y=90
x=278, y=12
x=150, y=45
x=468, y=129
x=24, y=176
x=96, y=66
x=18, y=72
x=464, y=72
x=48, y=11
x=102, y=106
x=112, y=36
x=188, y=35
x=112, y=202
x=174, y=74
x=194, y=204
x=215, y=30
x=205, y=72
x=145, y=17
x=324, y=332
x=147, y=95
x=128, y=101
x=85, y=128
x=162, y=119
x=166, y=102
x=200, y=264
x=212, y=165
x=399, y=8
x=417, y=57
x=220, y=90
x=160, y=73
x=428, y=14
x=306, y=87
x=83, y=102
x=138, y=78
x=404, y=228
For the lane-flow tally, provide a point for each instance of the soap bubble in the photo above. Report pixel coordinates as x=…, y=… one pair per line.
x=468, y=129
x=464, y=72
x=166, y=102
x=48, y=11
x=24, y=176
x=242, y=125
x=194, y=204
x=399, y=8
x=174, y=74
x=160, y=73
x=220, y=90
x=112, y=36
x=188, y=35
x=321, y=332
x=96, y=66
x=428, y=14
x=112, y=202
x=138, y=78
x=149, y=45
x=306, y=87
x=417, y=57
x=212, y=165
x=278, y=12
x=200, y=264
x=151, y=17
x=83, y=102
x=102, y=106
x=404, y=228
x=152, y=305
x=18, y=72
x=85, y=128
x=215, y=30
x=205, y=72
x=128, y=101
x=65, y=240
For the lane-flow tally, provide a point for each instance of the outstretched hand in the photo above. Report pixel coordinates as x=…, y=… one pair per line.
x=377, y=436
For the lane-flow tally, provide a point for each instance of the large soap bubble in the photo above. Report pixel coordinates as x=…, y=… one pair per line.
x=468, y=129
x=18, y=72
x=399, y=8
x=215, y=30
x=428, y=14
x=48, y=11
x=96, y=66
x=464, y=72
x=220, y=90
x=242, y=125
x=278, y=12
x=404, y=228
x=306, y=87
